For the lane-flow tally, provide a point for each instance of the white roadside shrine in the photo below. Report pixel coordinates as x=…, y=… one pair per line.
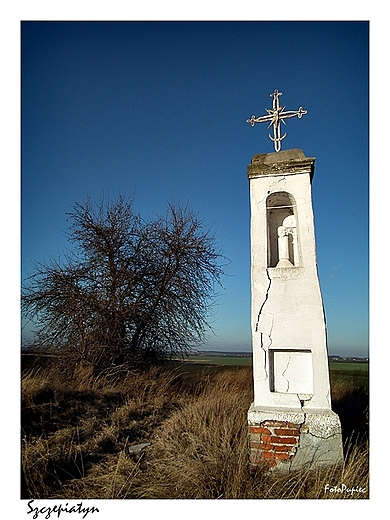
x=291, y=423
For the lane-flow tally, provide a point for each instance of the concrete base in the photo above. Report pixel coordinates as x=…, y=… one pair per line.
x=294, y=439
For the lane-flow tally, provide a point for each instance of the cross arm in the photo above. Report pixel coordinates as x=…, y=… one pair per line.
x=260, y=119
x=292, y=113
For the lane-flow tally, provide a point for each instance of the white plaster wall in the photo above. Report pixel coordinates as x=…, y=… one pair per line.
x=287, y=309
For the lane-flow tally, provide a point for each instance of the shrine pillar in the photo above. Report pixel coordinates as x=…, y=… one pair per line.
x=291, y=423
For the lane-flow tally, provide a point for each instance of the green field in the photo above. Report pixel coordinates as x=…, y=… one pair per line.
x=352, y=373
x=334, y=366
x=348, y=365
x=221, y=360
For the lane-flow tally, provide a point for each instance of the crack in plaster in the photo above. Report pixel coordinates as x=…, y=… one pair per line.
x=265, y=300
x=323, y=437
x=304, y=429
x=304, y=400
x=257, y=324
x=265, y=355
x=284, y=371
x=328, y=397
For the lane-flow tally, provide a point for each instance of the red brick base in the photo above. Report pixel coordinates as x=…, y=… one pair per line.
x=273, y=441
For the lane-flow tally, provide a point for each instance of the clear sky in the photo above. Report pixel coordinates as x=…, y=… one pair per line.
x=157, y=111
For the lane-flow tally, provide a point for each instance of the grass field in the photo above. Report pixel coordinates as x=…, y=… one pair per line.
x=349, y=365
x=247, y=361
x=177, y=432
x=221, y=360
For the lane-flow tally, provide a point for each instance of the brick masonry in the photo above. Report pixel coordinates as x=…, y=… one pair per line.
x=273, y=441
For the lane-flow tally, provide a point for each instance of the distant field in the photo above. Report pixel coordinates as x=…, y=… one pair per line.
x=353, y=374
x=348, y=365
x=247, y=361
x=222, y=360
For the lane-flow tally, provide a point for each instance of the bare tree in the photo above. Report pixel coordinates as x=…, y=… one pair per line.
x=130, y=289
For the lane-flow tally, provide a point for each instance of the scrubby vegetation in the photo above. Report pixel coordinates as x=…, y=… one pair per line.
x=127, y=289
x=166, y=432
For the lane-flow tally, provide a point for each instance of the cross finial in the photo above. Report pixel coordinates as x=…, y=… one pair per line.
x=276, y=115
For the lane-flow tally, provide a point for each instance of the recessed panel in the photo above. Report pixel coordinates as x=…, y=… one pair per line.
x=291, y=371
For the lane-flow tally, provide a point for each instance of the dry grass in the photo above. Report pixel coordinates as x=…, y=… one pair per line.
x=77, y=437
x=201, y=450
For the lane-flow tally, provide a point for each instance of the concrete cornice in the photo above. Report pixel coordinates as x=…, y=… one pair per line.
x=287, y=162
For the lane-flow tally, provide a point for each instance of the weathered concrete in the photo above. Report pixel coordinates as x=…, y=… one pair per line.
x=317, y=436
x=290, y=361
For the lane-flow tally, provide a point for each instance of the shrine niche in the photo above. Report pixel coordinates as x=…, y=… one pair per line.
x=282, y=236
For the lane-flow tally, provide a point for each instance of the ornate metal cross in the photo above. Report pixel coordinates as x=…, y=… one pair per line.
x=276, y=115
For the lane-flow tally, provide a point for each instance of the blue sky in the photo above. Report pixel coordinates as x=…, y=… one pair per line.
x=157, y=111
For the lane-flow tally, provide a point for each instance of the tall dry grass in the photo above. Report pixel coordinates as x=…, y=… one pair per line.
x=78, y=437
x=201, y=450
x=76, y=434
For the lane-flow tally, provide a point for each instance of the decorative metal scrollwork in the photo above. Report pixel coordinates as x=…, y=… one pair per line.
x=276, y=114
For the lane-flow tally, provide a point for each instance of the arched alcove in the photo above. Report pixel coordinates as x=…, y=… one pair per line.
x=282, y=230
